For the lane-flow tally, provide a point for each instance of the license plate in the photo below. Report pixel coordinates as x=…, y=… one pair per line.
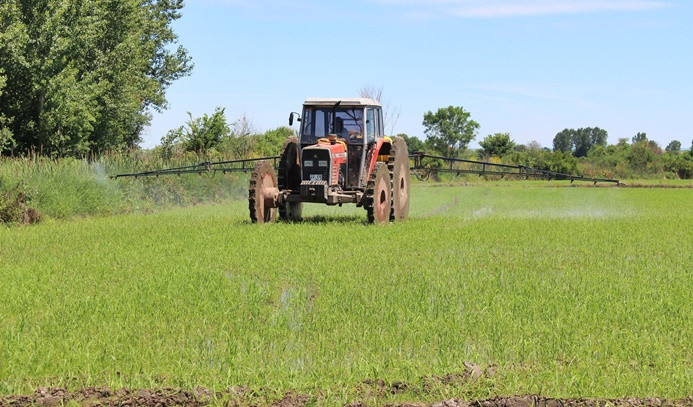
x=316, y=177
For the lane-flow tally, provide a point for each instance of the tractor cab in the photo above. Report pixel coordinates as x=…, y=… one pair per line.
x=340, y=132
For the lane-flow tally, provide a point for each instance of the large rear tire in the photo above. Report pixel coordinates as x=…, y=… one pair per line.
x=289, y=177
x=399, y=168
x=263, y=188
x=378, y=194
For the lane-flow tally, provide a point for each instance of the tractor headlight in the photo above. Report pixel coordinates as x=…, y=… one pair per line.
x=322, y=163
x=308, y=163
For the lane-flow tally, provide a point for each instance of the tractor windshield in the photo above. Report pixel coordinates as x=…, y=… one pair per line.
x=317, y=123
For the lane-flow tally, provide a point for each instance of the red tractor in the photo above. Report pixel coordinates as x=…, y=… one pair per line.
x=341, y=156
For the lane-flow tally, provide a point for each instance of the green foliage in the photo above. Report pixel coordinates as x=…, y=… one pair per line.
x=641, y=154
x=200, y=134
x=242, y=142
x=565, y=291
x=587, y=138
x=6, y=138
x=449, y=130
x=413, y=143
x=673, y=147
x=498, y=145
x=270, y=143
x=82, y=76
x=639, y=138
x=211, y=135
x=555, y=161
x=642, y=159
x=579, y=141
x=679, y=164
x=563, y=141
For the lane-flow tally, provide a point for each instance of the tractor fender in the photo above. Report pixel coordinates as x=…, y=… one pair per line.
x=381, y=153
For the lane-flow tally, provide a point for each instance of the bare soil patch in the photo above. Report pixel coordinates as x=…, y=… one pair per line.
x=96, y=396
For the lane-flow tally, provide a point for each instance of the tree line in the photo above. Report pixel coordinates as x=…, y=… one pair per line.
x=582, y=151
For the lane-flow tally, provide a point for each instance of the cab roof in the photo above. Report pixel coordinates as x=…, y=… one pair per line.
x=345, y=102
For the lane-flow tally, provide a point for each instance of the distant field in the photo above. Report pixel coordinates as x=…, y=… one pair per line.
x=565, y=292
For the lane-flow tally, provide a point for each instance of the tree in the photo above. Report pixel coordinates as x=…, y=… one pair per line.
x=587, y=138
x=6, y=139
x=449, y=130
x=413, y=142
x=579, y=141
x=563, y=141
x=639, y=137
x=673, y=147
x=622, y=144
x=200, y=134
x=640, y=155
x=598, y=137
x=497, y=144
x=271, y=142
x=654, y=147
x=84, y=75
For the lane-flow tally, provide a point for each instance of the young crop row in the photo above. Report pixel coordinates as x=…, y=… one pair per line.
x=565, y=292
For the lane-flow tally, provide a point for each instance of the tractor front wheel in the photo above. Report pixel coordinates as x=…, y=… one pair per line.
x=399, y=168
x=262, y=193
x=378, y=196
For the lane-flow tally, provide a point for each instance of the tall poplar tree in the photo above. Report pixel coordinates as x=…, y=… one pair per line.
x=84, y=75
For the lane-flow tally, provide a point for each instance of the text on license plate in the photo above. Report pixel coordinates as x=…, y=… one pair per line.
x=316, y=177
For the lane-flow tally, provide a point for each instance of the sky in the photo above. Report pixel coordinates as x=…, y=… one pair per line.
x=530, y=68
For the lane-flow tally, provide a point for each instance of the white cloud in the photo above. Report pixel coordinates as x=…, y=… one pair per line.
x=521, y=8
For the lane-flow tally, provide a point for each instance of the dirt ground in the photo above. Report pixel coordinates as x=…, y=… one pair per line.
x=235, y=397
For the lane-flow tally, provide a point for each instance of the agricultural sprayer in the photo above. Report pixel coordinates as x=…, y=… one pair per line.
x=343, y=156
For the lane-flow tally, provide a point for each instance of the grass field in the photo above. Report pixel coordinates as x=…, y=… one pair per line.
x=566, y=292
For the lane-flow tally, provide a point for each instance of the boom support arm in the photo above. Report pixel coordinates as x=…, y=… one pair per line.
x=241, y=165
x=451, y=165
x=462, y=166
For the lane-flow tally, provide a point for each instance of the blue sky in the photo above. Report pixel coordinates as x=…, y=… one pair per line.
x=527, y=67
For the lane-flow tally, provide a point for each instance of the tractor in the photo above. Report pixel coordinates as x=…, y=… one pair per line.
x=341, y=155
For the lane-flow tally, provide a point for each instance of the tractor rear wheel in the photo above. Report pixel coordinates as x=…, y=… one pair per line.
x=378, y=194
x=399, y=169
x=262, y=193
x=289, y=177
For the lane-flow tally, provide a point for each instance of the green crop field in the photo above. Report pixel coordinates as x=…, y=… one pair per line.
x=487, y=290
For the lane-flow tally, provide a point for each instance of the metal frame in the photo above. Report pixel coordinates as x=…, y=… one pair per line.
x=488, y=168
x=453, y=166
x=205, y=167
